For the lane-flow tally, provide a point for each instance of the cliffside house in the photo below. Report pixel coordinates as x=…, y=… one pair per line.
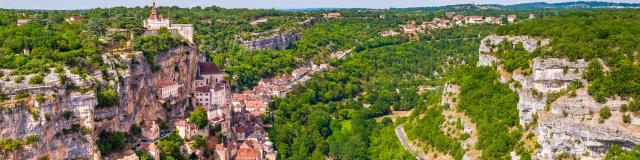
x=187, y=130
x=22, y=21
x=511, y=18
x=168, y=88
x=208, y=74
x=73, y=19
x=217, y=94
x=155, y=22
x=331, y=15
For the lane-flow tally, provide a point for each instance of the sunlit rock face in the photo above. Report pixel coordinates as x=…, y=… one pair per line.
x=68, y=120
x=275, y=42
x=572, y=123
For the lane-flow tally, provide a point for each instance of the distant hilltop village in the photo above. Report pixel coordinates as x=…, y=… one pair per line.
x=155, y=22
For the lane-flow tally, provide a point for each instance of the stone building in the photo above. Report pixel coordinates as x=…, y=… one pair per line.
x=208, y=74
x=168, y=88
x=156, y=21
x=73, y=19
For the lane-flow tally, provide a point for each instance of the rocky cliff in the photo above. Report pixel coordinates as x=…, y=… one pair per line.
x=569, y=124
x=275, y=42
x=65, y=119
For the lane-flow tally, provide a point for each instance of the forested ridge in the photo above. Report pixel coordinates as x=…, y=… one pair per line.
x=345, y=113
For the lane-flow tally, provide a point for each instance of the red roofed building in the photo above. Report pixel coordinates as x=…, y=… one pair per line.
x=249, y=154
x=475, y=19
x=222, y=153
x=255, y=106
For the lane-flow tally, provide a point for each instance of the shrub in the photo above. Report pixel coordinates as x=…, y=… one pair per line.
x=18, y=79
x=21, y=95
x=605, y=112
x=37, y=79
x=626, y=118
x=107, y=98
x=110, y=142
x=135, y=130
x=67, y=115
x=40, y=97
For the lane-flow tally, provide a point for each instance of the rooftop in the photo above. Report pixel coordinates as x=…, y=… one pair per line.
x=248, y=153
x=203, y=89
x=166, y=83
x=207, y=68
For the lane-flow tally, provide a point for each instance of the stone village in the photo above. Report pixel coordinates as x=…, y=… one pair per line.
x=237, y=114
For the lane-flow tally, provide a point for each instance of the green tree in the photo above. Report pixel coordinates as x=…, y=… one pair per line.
x=199, y=117
x=198, y=141
x=109, y=142
x=169, y=146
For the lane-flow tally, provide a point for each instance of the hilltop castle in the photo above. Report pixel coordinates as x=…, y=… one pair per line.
x=155, y=22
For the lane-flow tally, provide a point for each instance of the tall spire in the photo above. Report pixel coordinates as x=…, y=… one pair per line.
x=154, y=13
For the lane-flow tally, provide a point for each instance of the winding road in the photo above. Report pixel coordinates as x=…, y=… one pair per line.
x=401, y=136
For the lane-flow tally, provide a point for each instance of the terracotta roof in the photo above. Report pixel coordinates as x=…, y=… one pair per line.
x=181, y=122
x=239, y=97
x=166, y=83
x=240, y=129
x=248, y=153
x=203, y=89
x=256, y=104
x=207, y=68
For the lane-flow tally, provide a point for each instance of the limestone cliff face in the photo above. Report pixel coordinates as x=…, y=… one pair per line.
x=571, y=125
x=138, y=89
x=275, y=42
x=68, y=122
x=62, y=121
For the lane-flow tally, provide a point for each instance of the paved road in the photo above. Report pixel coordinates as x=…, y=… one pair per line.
x=400, y=133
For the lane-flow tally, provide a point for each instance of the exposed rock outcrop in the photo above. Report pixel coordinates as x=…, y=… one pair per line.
x=572, y=125
x=66, y=119
x=489, y=43
x=275, y=42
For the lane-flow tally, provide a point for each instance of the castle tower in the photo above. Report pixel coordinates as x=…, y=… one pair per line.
x=154, y=11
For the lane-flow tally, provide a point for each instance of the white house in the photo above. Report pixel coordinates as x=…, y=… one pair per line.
x=168, y=88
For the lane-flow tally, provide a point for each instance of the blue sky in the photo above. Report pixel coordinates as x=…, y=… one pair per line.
x=278, y=4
